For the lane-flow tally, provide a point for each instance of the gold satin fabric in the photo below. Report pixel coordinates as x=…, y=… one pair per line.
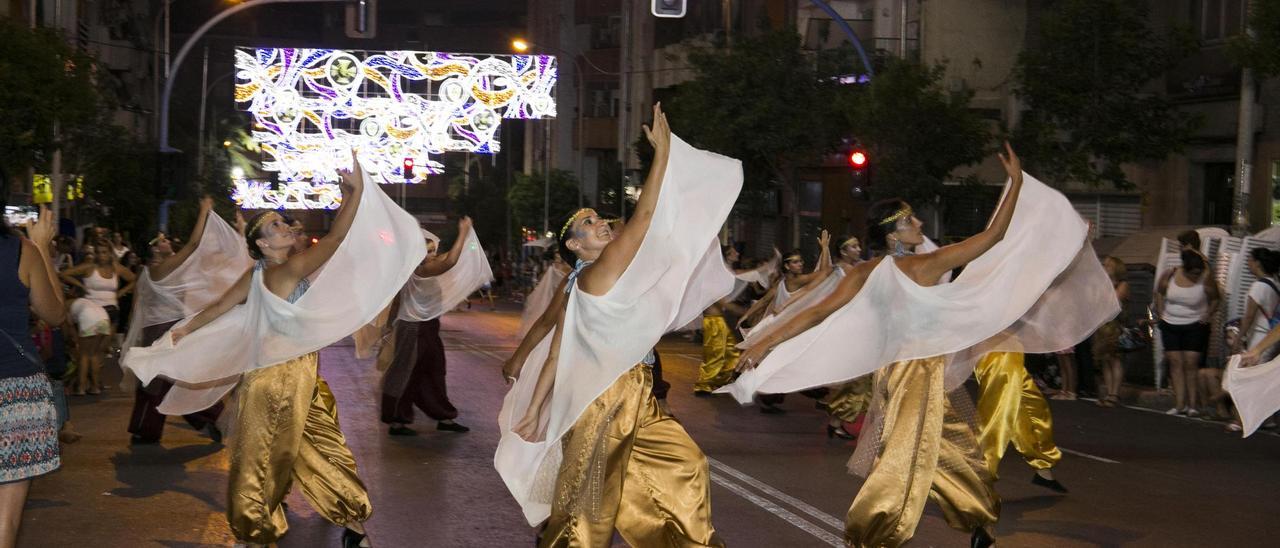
x=850, y=399
x=1012, y=409
x=928, y=452
x=719, y=354
x=630, y=466
x=287, y=432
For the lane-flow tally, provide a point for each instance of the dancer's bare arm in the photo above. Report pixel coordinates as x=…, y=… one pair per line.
x=543, y=325
x=282, y=280
x=757, y=308
x=824, y=266
x=926, y=269
x=167, y=266
x=441, y=264
x=600, y=277
x=234, y=295
x=844, y=292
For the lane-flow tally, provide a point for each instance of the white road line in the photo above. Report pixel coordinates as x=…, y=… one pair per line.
x=768, y=505
x=828, y=519
x=1087, y=456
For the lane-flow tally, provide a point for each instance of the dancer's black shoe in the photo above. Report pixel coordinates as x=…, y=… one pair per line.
x=1050, y=484
x=981, y=539
x=352, y=539
x=451, y=427
x=214, y=433
x=402, y=431
x=839, y=432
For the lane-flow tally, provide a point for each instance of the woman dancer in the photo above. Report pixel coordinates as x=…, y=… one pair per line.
x=100, y=283
x=174, y=288
x=898, y=315
x=1186, y=298
x=416, y=376
x=584, y=442
x=28, y=419
x=847, y=401
x=286, y=426
x=719, y=345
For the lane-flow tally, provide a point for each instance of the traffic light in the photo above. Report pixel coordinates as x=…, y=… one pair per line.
x=362, y=18
x=668, y=8
x=408, y=169
x=860, y=172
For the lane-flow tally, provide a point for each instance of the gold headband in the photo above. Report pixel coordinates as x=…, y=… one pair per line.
x=258, y=222
x=793, y=257
x=898, y=215
x=849, y=241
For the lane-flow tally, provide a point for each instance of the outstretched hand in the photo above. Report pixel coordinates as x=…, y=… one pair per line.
x=751, y=358
x=353, y=179
x=41, y=230
x=824, y=240
x=659, y=134
x=1012, y=164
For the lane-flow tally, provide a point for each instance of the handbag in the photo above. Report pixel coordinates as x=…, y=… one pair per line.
x=1133, y=339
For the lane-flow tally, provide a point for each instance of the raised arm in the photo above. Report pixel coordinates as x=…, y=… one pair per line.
x=928, y=268
x=36, y=271
x=844, y=292
x=757, y=308
x=234, y=295
x=549, y=318
x=167, y=266
x=824, y=266
x=440, y=264
x=615, y=258
x=303, y=264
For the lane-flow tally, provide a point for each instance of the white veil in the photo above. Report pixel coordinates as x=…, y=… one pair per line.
x=371, y=264
x=428, y=298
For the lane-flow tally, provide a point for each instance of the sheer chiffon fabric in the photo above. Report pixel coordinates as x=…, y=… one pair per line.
x=370, y=266
x=676, y=274
x=428, y=298
x=1254, y=390
x=1041, y=289
x=538, y=300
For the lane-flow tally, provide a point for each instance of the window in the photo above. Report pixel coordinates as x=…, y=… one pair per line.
x=606, y=32
x=601, y=100
x=1217, y=20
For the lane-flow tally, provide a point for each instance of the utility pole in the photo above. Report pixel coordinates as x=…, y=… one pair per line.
x=1244, y=145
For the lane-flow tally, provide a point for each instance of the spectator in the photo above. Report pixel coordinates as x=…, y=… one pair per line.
x=118, y=246
x=1185, y=300
x=1106, y=342
x=1190, y=240
x=97, y=312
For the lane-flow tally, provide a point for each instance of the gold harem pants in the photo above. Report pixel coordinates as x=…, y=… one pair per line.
x=630, y=466
x=287, y=432
x=927, y=451
x=1012, y=409
x=719, y=354
x=848, y=400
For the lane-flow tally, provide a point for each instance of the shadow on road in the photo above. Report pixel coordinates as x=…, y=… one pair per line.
x=148, y=470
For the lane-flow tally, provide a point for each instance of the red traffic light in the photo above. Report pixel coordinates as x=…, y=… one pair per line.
x=408, y=168
x=858, y=158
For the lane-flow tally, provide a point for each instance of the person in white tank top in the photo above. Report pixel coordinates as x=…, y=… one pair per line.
x=1185, y=301
x=100, y=281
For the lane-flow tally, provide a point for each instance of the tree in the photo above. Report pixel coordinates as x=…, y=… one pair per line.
x=1261, y=52
x=1086, y=86
x=915, y=131
x=525, y=197
x=765, y=101
x=475, y=195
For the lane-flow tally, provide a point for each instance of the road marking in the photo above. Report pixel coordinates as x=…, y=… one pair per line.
x=787, y=516
x=828, y=519
x=1087, y=456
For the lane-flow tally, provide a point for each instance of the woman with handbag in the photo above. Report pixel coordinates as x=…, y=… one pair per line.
x=1106, y=341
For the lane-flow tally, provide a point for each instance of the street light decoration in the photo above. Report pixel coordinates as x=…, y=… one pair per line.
x=311, y=106
x=251, y=194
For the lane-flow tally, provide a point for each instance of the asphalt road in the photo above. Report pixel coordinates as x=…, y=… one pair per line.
x=1137, y=478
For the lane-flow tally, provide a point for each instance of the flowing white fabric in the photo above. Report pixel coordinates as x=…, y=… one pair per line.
x=677, y=273
x=758, y=275
x=1254, y=390
x=220, y=258
x=1041, y=289
x=538, y=300
x=427, y=298
x=371, y=264
x=810, y=295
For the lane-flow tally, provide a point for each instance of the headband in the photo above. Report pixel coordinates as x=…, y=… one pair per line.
x=793, y=256
x=572, y=218
x=898, y=216
x=853, y=239
x=258, y=222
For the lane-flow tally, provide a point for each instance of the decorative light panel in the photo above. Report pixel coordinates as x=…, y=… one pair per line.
x=250, y=194
x=311, y=106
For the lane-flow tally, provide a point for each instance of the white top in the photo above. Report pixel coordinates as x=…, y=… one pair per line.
x=1039, y=290
x=99, y=289
x=1184, y=305
x=370, y=266
x=676, y=274
x=1266, y=298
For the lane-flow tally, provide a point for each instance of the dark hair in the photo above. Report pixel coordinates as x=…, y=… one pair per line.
x=568, y=234
x=1268, y=259
x=1192, y=260
x=252, y=237
x=1189, y=238
x=877, y=230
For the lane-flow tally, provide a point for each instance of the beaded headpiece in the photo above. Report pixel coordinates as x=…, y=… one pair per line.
x=851, y=240
x=898, y=215
x=572, y=218
x=259, y=222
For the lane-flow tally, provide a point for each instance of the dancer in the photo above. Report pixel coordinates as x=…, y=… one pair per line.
x=719, y=346
x=173, y=288
x=99, y=282
x=264, y=334
x=416, y=375
x=850, y=400
x=891, y=311
x=1011, y=409
x=581, y=396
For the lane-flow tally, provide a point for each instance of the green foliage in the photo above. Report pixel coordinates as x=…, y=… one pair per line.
x=1085, y=84
x=480, y=198
x=44, y=83
x=525, y=197
x=119, y=177
x=762, y=100
x=1261, y=51
x=915, y=132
